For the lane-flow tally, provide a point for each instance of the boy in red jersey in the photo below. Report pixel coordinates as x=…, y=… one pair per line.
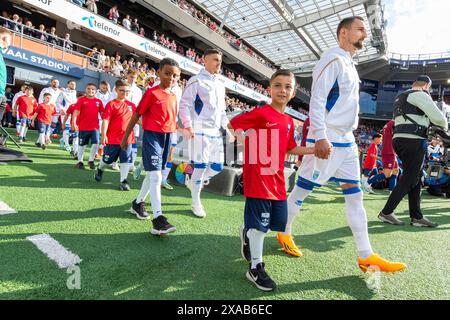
x=158, y=109
x=269, y=137
x=87, y=108
x=370, y=171
x=44, y=113
x=116, y=117
x=26, y=105
x=69, y=112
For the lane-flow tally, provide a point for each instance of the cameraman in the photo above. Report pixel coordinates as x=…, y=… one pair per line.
x=5, y=40
x=414, y=111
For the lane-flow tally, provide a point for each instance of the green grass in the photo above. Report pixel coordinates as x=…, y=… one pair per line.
x=121, y=260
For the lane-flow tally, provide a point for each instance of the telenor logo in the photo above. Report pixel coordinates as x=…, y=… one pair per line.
x=146, y=46
x=94, y=24
x=90, y=20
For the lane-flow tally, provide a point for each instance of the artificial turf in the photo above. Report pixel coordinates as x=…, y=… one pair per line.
x=121, y=260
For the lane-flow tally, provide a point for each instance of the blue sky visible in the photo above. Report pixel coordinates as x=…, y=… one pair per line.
x=418, y=26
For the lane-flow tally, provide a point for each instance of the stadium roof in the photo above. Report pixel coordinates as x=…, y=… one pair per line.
x=294, y=33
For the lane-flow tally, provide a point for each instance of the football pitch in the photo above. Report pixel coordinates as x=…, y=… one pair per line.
x=121, y=260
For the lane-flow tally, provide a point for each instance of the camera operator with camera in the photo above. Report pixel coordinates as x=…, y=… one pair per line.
x=414, y=112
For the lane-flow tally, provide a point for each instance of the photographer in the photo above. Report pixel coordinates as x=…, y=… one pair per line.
x=414, y=111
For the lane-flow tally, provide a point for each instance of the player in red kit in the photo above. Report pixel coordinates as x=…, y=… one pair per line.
x=269, y=136
x=44, y=113
x=26, y=105
x=116, y=116
x=87, y=109
x=158, y=109
x=370, y=171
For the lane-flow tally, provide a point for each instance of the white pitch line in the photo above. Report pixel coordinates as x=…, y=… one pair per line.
x=5, y=209
x=54, y=250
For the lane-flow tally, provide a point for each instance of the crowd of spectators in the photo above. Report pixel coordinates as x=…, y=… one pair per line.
x=114, y=64
x=19, y=24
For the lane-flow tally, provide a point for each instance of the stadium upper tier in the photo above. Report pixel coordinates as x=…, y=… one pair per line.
x=80, y=18
x=294, y=33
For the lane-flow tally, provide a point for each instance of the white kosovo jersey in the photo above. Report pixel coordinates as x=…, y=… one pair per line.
x=334, y=104
x=65, y=99
x=105, y=97
x=202, y=106
x=54, y=92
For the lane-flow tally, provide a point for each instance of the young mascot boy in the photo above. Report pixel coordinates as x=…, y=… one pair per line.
x=158, y=109
x=44, y=113
x=116, y=117
x=269, y=136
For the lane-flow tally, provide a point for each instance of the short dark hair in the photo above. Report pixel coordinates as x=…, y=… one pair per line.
x=47, y=94
x=212, y=51
x=91, y=84
x=104, y=82
x=70, y=81
x=121, y=83
x=347, y=23
x=282, y=72
x=168, y=62
x=376, y=135
x=29, y=88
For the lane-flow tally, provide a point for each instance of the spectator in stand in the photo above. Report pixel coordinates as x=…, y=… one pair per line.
x=67, y=42
x=101, y=57
x=91, y=5
x=126, y=22
x=116, y=67
x=41, y=34
x=142, y=32
x=107, y=65
x=93, y=57
x=135, y=25
x=14, y=25
x=5, y=22
x=29, y=29
x=113, y=14
x=52, y=37
x=155, y=36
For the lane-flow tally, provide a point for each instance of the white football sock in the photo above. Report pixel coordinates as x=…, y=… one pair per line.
x=155, y=178
x=41, y=139
x=145, y=189
x=66, y=138
x=357, y=220
x=75, y=145
x=80, y=153
x=94, y=149
x=256, y=242
x=166, y=171
x=102, y=165
x=196, y=185
x=295, y=202
x=22, y=131
x=134, y=152
x=124, y=169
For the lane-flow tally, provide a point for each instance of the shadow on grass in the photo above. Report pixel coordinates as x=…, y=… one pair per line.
x=140, y=266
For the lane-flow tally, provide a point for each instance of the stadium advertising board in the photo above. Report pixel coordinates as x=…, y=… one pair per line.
x=78, y=16
x=37, y=60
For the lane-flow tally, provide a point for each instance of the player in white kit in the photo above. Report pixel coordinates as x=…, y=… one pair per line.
x=202, y=113
x=67, y=97
x=334, y=109
x=55, y=91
